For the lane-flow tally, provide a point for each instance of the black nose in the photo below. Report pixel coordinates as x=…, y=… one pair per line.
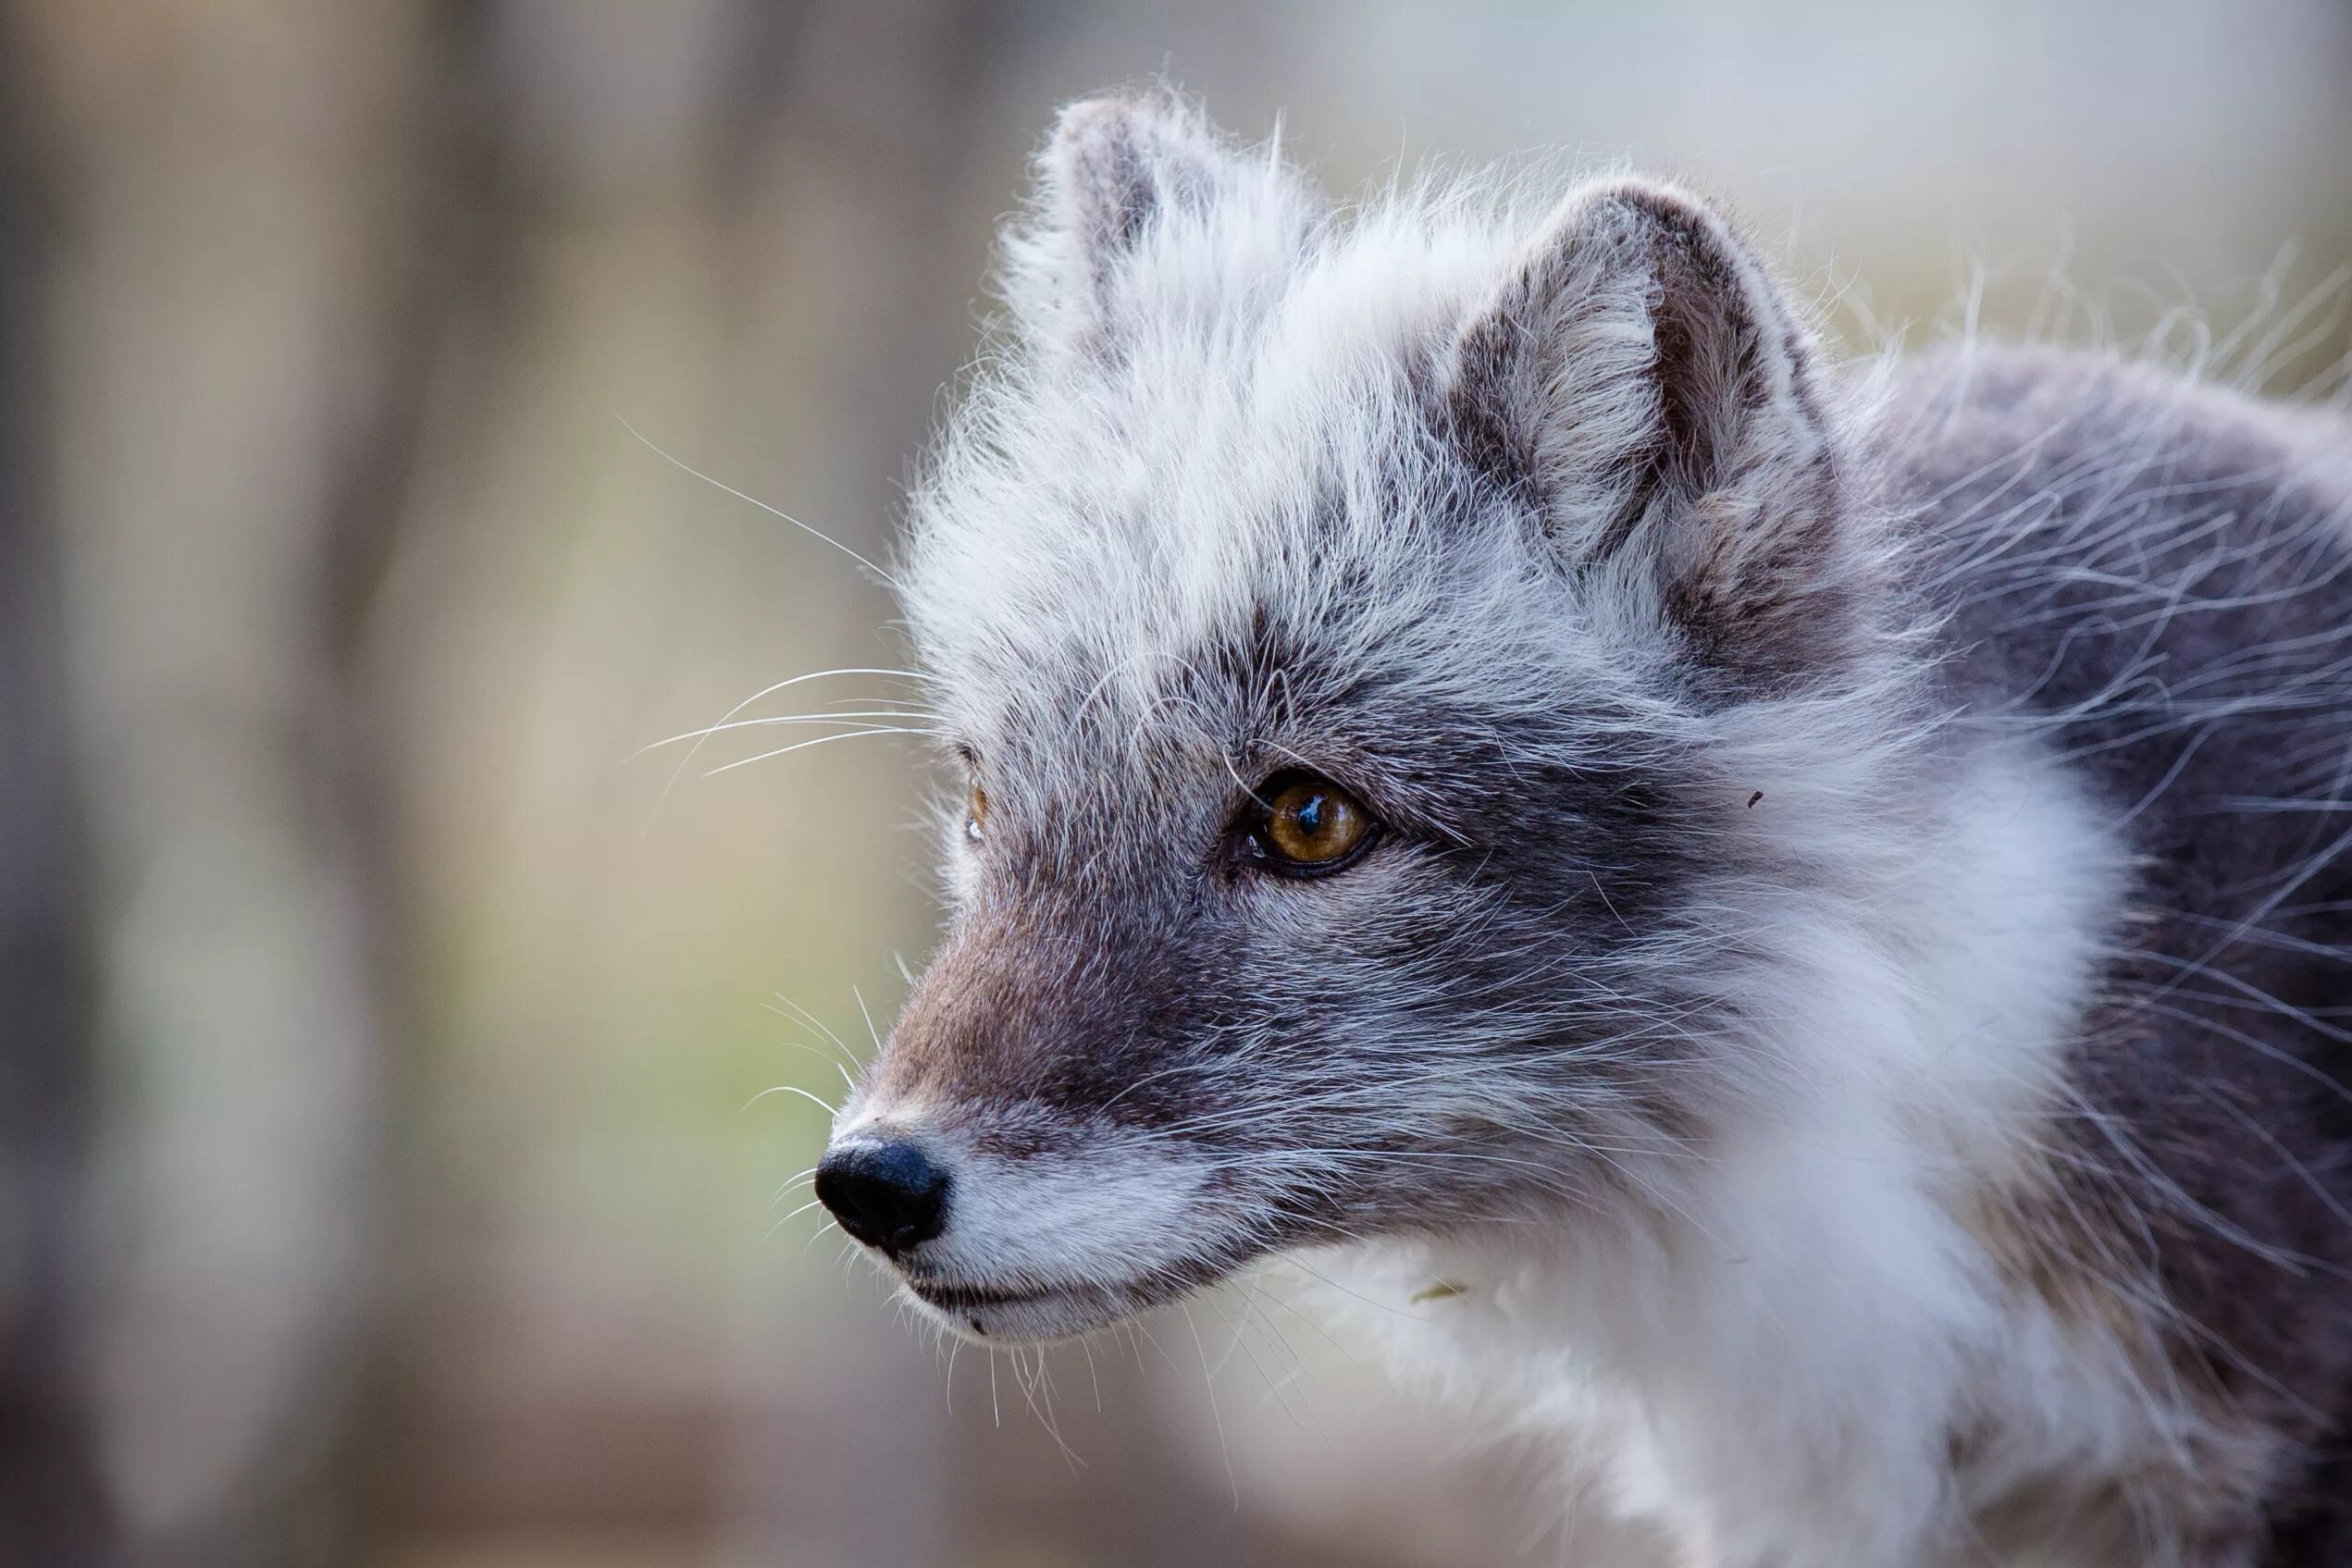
x=886, y=1194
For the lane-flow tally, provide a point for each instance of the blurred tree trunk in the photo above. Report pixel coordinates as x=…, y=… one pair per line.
x=243, y=308
x=49, y=1509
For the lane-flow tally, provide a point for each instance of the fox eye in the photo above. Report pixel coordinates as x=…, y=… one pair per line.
x=1305, y=825
x=976, y=815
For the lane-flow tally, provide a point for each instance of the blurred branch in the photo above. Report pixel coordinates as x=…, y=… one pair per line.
x=247, y=314
x=49, y=1509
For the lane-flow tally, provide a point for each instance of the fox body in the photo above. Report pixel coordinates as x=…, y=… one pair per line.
x=1812, y=898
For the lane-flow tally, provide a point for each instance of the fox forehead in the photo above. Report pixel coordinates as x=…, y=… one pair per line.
x=1107, y=526
x=1409, y=681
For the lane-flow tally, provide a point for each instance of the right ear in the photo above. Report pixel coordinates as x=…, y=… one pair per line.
x=1642, y=383
x=1118, y=175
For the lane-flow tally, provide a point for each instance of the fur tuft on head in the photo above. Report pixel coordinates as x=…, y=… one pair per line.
x=1126, y=183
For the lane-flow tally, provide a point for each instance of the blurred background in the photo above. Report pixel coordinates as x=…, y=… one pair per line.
x=381, y=1176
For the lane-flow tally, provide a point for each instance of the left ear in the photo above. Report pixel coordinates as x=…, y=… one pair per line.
x=1640, y=380
x=1122, y=181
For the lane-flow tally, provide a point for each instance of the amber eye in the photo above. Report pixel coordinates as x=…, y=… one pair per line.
x=1311, y=825
x=976, y=815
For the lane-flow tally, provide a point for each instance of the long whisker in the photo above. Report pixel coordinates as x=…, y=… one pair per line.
x=790, y=1089
x=837, y=718
x=804, y=745
x=818, y=534
x=687, y=760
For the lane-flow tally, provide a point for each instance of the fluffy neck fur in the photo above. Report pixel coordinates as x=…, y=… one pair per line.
x=1769, y=1341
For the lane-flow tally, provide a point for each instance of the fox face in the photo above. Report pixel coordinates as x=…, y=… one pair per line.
x=1381, y=653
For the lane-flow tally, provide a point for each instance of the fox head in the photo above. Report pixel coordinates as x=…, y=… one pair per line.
x=1407, y=669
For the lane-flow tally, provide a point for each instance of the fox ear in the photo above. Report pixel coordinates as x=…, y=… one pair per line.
x=1120, y=173
x=1642, y=383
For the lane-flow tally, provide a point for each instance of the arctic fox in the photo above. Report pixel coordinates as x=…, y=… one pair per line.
x=1784, y=922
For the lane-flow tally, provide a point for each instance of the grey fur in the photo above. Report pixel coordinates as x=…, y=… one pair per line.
x=2186, y=647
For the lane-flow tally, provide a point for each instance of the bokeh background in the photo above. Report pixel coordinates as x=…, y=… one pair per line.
x=381, y=1176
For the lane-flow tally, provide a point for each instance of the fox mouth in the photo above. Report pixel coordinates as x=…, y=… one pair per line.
x=965, y=1298
x=990, y=1247
x=1043, y=1313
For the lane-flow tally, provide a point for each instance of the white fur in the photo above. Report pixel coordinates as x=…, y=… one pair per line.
x=1771, y=1367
